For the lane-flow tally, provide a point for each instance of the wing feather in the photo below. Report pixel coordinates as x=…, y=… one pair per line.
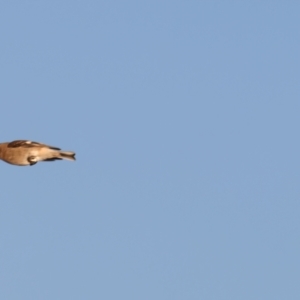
x=28, y=144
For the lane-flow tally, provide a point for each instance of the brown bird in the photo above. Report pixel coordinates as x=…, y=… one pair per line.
x=25, y=153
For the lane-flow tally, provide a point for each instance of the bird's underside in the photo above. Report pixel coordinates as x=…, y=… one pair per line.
x=25, y=152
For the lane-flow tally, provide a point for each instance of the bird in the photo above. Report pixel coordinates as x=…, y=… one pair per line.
x=28, y=153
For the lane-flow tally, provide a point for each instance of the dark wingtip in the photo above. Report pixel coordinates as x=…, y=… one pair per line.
x=54, y=148
x=52, y=159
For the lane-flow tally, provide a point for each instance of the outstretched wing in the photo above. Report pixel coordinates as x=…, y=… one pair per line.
x=28, y=144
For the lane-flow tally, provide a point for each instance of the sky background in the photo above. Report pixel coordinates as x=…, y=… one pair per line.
x=185, y=119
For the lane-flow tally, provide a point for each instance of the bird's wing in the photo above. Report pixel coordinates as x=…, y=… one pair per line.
x=28, y=144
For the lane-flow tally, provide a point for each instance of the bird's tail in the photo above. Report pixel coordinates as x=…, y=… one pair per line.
x=67, y=155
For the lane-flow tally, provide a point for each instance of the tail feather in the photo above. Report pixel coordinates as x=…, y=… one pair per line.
x=67, y=155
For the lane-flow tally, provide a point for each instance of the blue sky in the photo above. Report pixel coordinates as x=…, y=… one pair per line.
x=185, y=119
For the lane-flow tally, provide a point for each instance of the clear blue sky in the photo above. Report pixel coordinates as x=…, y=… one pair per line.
x=185, y=119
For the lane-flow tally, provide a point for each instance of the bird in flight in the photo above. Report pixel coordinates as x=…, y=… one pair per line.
x=28, y=153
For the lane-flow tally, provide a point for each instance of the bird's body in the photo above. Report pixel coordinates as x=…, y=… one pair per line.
x=28, y=153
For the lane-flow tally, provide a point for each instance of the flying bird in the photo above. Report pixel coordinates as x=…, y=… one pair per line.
x=28, y=153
